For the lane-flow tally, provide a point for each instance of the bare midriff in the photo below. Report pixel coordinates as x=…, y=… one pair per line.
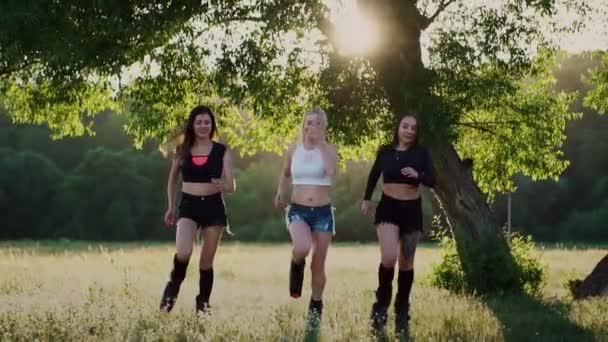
x=311, y=195
x=199, y=189
x=402, y=192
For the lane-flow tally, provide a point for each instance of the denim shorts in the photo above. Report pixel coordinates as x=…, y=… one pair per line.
x=319, y=219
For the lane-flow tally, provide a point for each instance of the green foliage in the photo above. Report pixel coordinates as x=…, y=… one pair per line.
x=57, y=59
x=28, y=184
x=518, y=129
x=116, y=210
x=597, y=98
x=66, y=109
x=262, y=64
x=541, y=208
x=546, y=209
x=459, y=272
x=534, y=273
x=448, y=273
x=571, y=283
x=250, y=210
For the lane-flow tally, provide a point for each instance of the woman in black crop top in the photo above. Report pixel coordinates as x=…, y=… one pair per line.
x=404, y=165
x=206, y=170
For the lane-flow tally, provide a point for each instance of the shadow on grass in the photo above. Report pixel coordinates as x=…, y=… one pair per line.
x=527, y=318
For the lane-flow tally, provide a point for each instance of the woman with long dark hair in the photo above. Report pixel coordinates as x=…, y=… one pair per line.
x=404, y=165
x=206, y=170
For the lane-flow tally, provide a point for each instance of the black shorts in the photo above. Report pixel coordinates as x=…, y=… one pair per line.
x=204, y=210
x=405, y=214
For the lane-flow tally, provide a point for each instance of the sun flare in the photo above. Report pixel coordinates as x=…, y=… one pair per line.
x=356, y=34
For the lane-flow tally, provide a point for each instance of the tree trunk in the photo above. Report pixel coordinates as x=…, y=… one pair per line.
x=407, y=83
x=464, y=203
x=595, y=284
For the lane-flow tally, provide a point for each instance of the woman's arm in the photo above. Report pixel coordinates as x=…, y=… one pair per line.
x=172, y=183
x=329, y=153
x=229, y=183
x=427, y=175
x=284, y=175
x=372, y=178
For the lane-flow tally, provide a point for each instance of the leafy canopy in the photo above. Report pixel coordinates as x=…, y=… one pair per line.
x=262, y=64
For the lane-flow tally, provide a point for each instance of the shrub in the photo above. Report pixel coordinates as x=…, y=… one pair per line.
x=488, y=269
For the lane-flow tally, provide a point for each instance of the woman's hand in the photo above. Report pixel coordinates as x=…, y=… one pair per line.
x=219, y=183
x=410, y=172
x=317, y=135
x=366, y=208
x=278, y=202
x=169, y=218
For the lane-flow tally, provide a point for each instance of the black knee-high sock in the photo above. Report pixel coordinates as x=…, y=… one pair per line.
x=205, y=285
x=404, y=287
x=178, y=273
x=385, y=285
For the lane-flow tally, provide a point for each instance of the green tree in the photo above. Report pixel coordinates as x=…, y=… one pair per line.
x=597, y=98
x=486, y=94
x=105, y=198
x=28, y=184
x=545, y=208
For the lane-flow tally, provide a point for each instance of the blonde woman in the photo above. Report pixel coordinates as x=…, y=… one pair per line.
x=311, y=164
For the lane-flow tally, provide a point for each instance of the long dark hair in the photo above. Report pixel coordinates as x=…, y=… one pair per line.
x=395, y=141
x=183, y=150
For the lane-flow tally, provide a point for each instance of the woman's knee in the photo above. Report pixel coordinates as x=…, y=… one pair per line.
x=301, y=250
x=408, y=246
x=406, y=264
x=205, y=264
x=317, y=266
x=206, y=259
x=389, y=259
x=183, y=254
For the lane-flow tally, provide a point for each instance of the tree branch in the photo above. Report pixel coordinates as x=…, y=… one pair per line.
x=226, y=21
x=482, y=129
x=442, y=6
x=506, y=122
x=477, y=127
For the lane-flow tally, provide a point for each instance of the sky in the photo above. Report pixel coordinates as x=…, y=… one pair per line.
x=592, y=38
x=357, y=35
x=356, y=32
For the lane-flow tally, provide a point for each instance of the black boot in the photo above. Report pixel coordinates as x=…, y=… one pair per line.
x=378, y=317
x=315, y=309
x=296, y=278
x=383, y=298
x=177, y=275
x=402, y=305
x=205, y=285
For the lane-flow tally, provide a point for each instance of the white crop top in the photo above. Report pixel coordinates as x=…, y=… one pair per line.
x=307, y=167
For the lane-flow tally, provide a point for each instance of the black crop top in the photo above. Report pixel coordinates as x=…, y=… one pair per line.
x=200, y=169
x=389, y=163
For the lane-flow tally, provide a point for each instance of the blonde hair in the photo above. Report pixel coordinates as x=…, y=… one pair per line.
x=315, y=111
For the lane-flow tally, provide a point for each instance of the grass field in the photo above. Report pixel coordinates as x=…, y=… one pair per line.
x=80, y=292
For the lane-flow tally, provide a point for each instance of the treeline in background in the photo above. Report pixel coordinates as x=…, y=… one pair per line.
x=100, y=188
